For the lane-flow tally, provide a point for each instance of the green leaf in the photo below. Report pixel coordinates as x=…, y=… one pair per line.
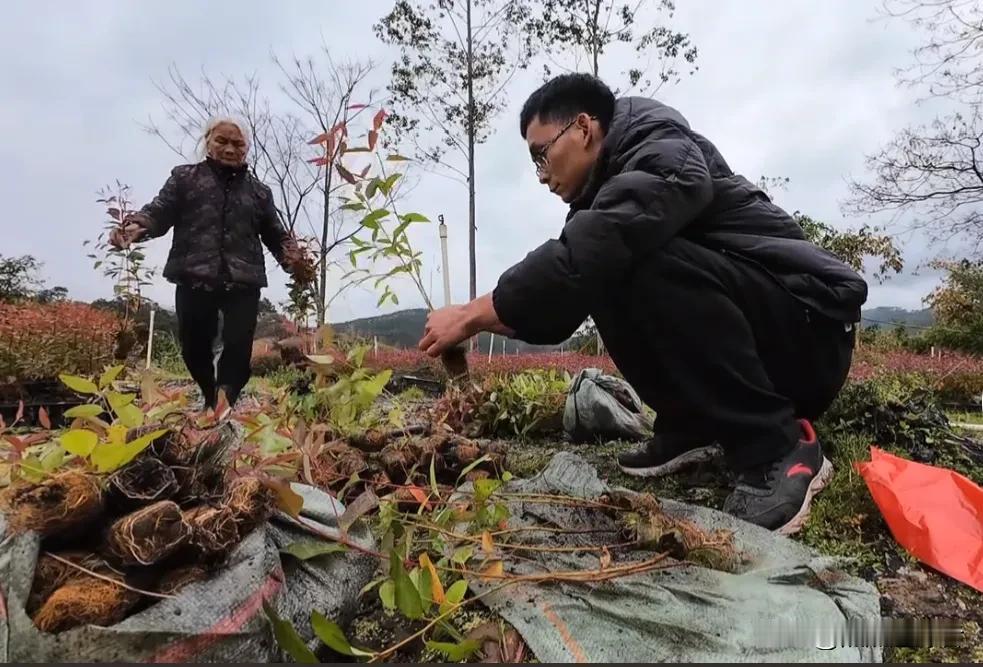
x=118, y=401
x=78, y=384
x=433, y=478
x=371, y=188
x=414, y=217
x=307, y=549
x=31, y=468
x=288, y=639
x=134, y=447
x=484, y=488
x=332, y=635
x=455, y=652
x=130, y=416
x=109, y=376
x=107, y=457
x=456, y=592
x=396, y=158
x=474, y=464
x=354, y=206
x=88, y=411
x=407, y=596
x=371, y=221
x=387, y=593
x=79, y=442
x=53, y=459
x=387, y=185
x=506, y=476
x=462, y=555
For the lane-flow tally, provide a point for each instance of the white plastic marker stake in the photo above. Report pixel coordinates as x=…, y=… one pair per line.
x=442, y=228
x=150, y=338
x=491, y=346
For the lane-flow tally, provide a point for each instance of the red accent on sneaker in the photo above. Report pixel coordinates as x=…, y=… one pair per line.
x=799, y=469
x=808, y=432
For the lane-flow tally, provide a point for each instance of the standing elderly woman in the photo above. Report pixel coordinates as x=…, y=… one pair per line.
x=220, y=212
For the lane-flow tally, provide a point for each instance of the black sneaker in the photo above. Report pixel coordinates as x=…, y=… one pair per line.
x=665, y=454
x=777, y=496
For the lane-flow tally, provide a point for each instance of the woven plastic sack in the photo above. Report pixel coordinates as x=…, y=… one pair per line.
x=217, y=620
x=603, y=407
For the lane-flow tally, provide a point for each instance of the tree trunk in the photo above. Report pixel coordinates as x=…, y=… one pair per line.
x=472, y=249
x=322, y=288
x=595, y=40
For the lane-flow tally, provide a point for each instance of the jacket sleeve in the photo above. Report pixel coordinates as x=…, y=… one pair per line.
x=272, y=231
x=161, y=213
x=661, y=190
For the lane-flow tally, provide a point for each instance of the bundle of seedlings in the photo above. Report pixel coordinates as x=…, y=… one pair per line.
x=644, y=522
x=348, y=467
x=111, y=545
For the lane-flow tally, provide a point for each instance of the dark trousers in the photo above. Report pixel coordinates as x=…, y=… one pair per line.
x=720, y=349
x=197, y=315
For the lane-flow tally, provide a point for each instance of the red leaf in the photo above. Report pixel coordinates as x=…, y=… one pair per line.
x=19, y=445
x=373, y=137
x=113, y=213
x=419, y=495
x=378, y=118
x=43, y=418
x=356, y=107
x=345, y=174
x=319, y=139
x=365, y=171
x=340, y=126
x=20, y=412
x=319, y=161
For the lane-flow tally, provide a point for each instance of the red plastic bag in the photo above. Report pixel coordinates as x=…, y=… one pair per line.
x=934, y=513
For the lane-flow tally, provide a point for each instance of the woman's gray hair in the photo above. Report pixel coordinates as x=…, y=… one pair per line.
x=214, y=122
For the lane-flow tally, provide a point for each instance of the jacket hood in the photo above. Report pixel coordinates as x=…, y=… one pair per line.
x=634, y=120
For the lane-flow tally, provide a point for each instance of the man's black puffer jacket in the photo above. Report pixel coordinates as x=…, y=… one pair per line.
x=655, y=179
x=219, y=216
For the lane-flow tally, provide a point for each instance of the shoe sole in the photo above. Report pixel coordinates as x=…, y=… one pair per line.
x=693, y=456
x=818, y=483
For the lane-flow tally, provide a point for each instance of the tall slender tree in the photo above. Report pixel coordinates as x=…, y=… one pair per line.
x=577, y=34
x=455, y=59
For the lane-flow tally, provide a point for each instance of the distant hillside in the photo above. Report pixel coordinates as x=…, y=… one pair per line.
x=887, y=317
x=405, y=328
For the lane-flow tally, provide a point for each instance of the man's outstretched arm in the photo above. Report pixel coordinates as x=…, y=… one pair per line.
x=446, y=327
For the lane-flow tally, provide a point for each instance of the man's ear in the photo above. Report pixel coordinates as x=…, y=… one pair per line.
x=584, y=125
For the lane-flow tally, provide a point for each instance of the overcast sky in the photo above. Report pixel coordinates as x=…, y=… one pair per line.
x=796, y=88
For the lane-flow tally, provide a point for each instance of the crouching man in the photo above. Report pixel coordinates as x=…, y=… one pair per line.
x=712, y=304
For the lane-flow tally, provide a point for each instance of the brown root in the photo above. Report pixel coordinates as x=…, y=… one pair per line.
x=148, y=535
x=201, y=483
x=372, y=440
x=144, y=481
x=188, y=446
x=251, y=503
x=85, y=600
x=67, y=501
x=213, y=530
x=455, y=361
x=172, y=582
x=647, y=523
x=51, y=573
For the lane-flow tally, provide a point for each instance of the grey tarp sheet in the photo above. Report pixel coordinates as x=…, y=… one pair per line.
x=682, y=614
x=600, y=406
x=218, y=620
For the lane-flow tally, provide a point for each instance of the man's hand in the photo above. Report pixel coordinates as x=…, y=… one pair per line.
x=129, y=232
x=446, y=327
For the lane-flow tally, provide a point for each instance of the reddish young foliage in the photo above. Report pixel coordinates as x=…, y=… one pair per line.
x=42, y=340
x=414, y=360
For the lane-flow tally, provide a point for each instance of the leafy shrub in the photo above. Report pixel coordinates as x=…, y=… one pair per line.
x=265, y=364
x=525, y=404
x=167, y=352
x=39, y=341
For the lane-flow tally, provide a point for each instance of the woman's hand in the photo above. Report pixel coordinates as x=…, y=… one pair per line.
x=129, y=232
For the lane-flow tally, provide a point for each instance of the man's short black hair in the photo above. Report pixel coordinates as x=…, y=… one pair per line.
x=562, y=98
